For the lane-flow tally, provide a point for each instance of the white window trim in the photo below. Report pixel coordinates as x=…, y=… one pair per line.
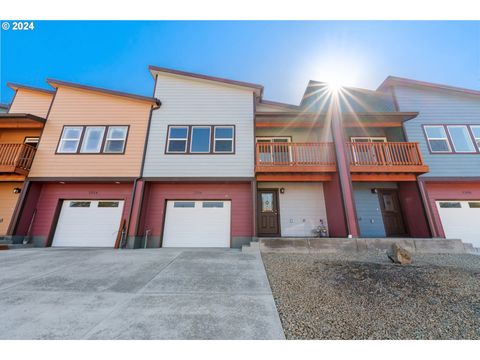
x=84, y=140
x=209, y=139
x=107, y=138
x=369, y=138
x=271, y=138
x=474, y=137
x=186, y=139
x=434, y=138
x=232, y=139
x=62, y=139
x=468, y=137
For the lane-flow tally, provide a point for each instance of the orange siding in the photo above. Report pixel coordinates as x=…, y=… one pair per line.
x=31, y=102
x=8, y=201
x=81, y=107
x=17, y=136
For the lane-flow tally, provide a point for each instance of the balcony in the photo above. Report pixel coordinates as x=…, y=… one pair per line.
x=16, y=158
x=385, y=157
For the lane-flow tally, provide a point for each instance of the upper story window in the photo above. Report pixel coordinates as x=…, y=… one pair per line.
x=200, y=139
x=91, y=139
x=461, y=139
x=437, y=139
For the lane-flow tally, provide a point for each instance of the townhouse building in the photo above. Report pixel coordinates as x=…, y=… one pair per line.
x=21, y=125
x=448, y=130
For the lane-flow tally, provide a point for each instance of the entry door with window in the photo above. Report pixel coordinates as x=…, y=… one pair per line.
x=267, y=207
x=391, y=212
x=274, y=153
x=367, y=154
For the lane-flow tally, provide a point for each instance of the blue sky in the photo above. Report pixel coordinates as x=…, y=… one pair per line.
x=281, y=55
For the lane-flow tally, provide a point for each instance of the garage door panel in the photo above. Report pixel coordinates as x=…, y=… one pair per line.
x=460, y=219
x=197, y=224
x=88, y=223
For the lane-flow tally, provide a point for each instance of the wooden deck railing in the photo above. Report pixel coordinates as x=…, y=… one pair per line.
x=384, y=154
x=295, y=154
x=16, y=156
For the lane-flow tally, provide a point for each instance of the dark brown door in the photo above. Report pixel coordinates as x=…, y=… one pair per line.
x=267, y=216
x=391, y=213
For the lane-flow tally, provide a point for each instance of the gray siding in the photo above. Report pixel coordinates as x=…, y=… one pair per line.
x=194, y=102
x=440, y=107
x=367, y=204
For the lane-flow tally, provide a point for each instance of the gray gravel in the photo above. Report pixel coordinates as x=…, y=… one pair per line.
x=364, y=296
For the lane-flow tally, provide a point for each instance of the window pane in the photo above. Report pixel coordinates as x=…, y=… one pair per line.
x=68, y=146
x=184, y=204
x=447, y=205
x=435, y=132
x=461, y=138
x=178, y=132
x=92, y=140
x=114, y=146
x=72, y=133
x=177, y=146
x=108, y=204
x=224, y=132
x=474, y=205
x=117, y=132
x=439, y=145
x=200, y=140
x=223, y=146
x=267, y=202
x=80, y=204
x=476, y=131
x=212, y=204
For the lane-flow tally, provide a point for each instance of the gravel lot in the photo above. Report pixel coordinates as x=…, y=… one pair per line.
x=329, y=296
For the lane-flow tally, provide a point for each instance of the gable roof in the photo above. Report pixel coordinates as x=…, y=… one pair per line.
x=16, y=86
x=394, y=80
x=59, y=83
x=258, y=89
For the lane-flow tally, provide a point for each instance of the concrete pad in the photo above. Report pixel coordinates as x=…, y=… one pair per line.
x=193, y=316
x=450, y=246
x=333, y=245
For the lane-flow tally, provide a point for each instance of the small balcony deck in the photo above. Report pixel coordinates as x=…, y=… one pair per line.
x=16, y=158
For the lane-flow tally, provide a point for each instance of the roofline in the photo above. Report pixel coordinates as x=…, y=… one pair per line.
x=257, y=87
x=22, y=116
x=16, y=86
x=392, y=80
x=56, y=83
x=280, y=104
x=406, y=115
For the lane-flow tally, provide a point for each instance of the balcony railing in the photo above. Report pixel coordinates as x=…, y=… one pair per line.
x=385, y=157
x=295, y=157
x=16, y=158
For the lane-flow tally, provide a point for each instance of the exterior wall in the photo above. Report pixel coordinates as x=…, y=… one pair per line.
x=156, y=195
x=297, y=135
x=440, y=107
x=392, y=134
x=46, y=199
x=449, y=191
x=17, y=136
x=31, y=102
x=337, y=225
x=367, y=204
x=196, y=102
x=79, y=107
x=8, y=201
x=302, y=206
x=413, y=211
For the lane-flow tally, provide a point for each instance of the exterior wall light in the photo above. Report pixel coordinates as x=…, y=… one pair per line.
x=17, y=190
x=282, y=190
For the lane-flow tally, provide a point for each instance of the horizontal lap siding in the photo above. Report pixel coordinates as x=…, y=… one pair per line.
x=52, y=193
x=31, y=102
x=158, y=193
x=440, y=107
x=17, y=136
x=77, y=107
x=194, y=102
x=8, y=201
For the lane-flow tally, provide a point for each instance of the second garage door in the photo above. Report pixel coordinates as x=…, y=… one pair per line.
x=197, y=224
x=88, y=223
x=460, y=220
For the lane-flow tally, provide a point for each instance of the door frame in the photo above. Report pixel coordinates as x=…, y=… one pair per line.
x=277, y=201
x=400, y=210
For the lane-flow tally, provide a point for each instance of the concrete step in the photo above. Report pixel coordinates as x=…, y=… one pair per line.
x=252, y=247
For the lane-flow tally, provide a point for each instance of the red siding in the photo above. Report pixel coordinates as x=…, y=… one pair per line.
x=413, y=212
x=334, y=205
x=50, y=194
x=157, y=194
x=449, y=191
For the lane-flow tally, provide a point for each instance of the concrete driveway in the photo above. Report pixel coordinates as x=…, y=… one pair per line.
x=135, y=294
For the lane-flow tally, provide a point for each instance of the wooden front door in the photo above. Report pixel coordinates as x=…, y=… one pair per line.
x=391, y=212
x=267, y=213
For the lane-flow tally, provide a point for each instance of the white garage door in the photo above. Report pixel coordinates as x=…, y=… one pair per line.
x=197, y=224
x=461, y=220
x=90, y=223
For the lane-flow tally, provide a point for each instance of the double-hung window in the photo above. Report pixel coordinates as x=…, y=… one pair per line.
x=223, y=139
x=92, y=139
x=177, y=139
x=461, y=140
x=116, y=139
x=70, y=139
x=437, y=139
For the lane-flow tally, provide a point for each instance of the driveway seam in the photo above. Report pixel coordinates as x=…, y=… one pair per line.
x=32, y=278
x=139, y=291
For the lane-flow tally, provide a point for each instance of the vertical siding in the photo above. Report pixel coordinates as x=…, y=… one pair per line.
x=78, y=107
x=302, y=206
x=195, y=102
x=8, y=201
x=31, y=102
x=240, y=195
x=440, y=107
x=367, y=204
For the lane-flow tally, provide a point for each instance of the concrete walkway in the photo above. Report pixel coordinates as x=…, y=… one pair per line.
x=135, y=294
